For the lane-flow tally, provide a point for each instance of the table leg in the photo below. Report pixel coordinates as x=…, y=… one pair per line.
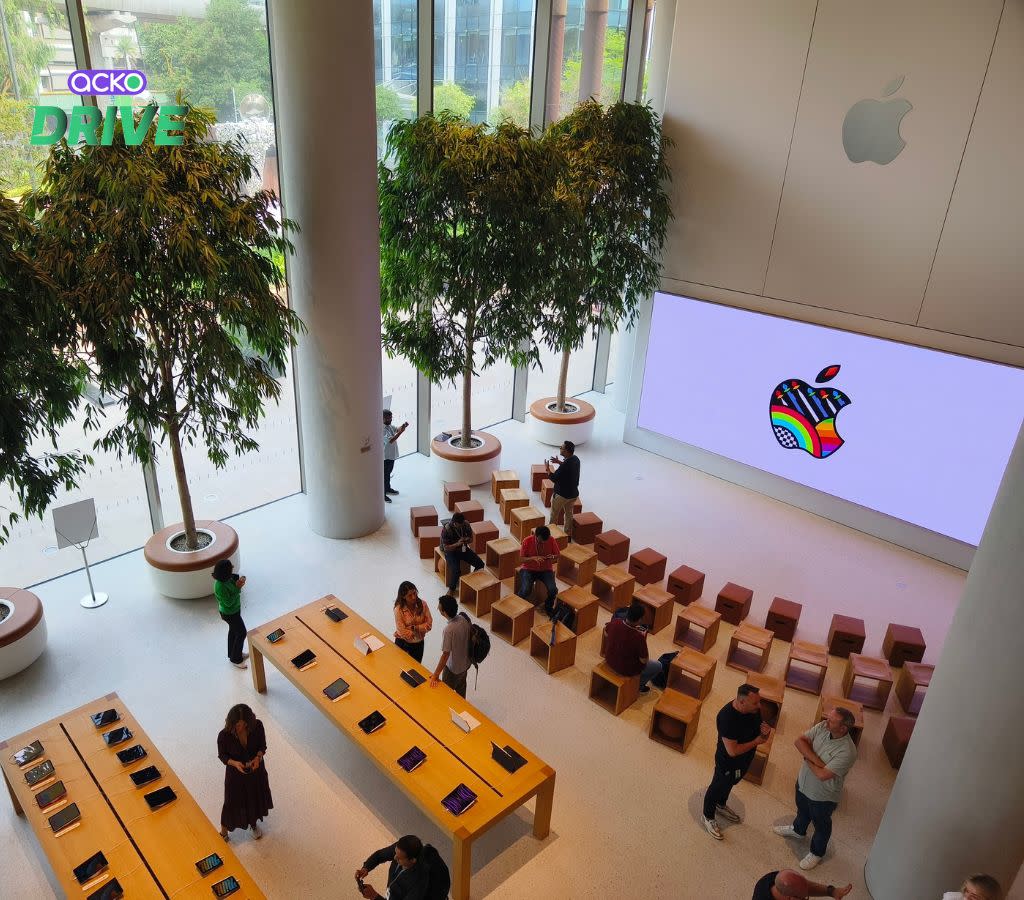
x=259, y=673
x=545, y=801
x=14, y=797
x=462, y=852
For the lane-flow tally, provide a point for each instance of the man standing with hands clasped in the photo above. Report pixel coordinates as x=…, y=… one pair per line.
x=391, y=436
x=566, y=479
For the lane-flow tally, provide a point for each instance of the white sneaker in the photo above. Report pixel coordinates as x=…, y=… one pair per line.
x=241, y=665
x=245, y=655
x=257, y=832
x=712, y=828
x=730, y=815
x=786, y=831
x=809, y=861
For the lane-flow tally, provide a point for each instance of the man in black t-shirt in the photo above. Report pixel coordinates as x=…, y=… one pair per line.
x=787, y=883
x=566, y=479
x=740, y=733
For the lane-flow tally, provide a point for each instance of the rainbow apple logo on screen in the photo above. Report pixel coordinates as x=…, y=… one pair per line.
x=804, y=417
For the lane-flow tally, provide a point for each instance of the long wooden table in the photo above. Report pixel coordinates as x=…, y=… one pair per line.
x=152, y=853
x=415, y=716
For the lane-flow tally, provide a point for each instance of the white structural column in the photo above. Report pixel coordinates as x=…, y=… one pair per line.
x=958, y=803
x=623, y=373
x=595, y=29
x=327, y=157
x=556, y=51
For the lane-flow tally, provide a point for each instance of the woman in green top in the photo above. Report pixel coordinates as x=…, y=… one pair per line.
x=227, y=586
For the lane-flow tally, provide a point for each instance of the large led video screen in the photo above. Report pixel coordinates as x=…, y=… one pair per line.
x=917, y=434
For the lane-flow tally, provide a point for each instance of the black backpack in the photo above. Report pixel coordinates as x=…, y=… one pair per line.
x=479, y=642
x=439, y=880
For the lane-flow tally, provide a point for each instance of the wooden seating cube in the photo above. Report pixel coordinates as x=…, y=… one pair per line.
x=455, y=491
x=524, y=520
x=686, y=585
x=503, y=557
x=845, y=636
x=511, y=618
x=734, y=602
x=547, y=489
x=811, y=664
x=577, y=564
x=420, y=516
x=441, y=565
x=482, y=533
x=772, y=691
x=501, y=479
x=561, y=538
x=538, y=593
x=612, y=586
x=428, y=538
x=658, y=606
x=585, y=527
x=479, y=591
x=861, y=669
x=692, y=672
x=613, y=691
x=647, y=566
x=829, y=701
x=612, y=547
x=538, y=474
x=749, y=647
x=903, y=643
x=911, y=686
x=510, y=499
x=759, y=764
x=697, y=627
x=674, y=720
x=898, y=731
x=471, y=509
x=584, y=604
x=553, y=657
x=783, y=616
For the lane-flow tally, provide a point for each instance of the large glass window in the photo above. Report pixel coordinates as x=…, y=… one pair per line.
x=492, y=399
x=398, y=377
x=592, y=41
x=543, y=379
x=395, y=73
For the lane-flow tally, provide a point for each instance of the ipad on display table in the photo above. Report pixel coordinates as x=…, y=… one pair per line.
x=67, y=816
x=160, y=797
x=372, y=722
x=112, y=890
x=48, y=796
x=93, y=866
x=336, y=689
x=117, y=736
x=305, y=659
x=207, y=865
x=275, y=635
x=145, y=776
x=131, y=754
x=105, y=718
x=39, y=773
x=459, y=800
x=412, y=759
x=335, y=614
x=412, y=678
x=27, y=754
x=228, y=886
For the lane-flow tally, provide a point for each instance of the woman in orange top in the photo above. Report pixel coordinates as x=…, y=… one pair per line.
x=412, y=620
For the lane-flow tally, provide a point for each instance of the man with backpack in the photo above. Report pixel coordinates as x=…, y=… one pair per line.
x=453, y=666
x=416, y=872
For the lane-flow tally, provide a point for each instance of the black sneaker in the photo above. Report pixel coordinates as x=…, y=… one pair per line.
x=387, y=499
x=391, y=491
x=645, y=689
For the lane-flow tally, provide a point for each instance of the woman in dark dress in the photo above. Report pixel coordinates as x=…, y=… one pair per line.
x=241, y=746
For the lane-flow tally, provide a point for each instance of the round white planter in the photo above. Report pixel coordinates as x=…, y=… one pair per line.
x=550, y=427
x=472, y=466
x=188, y=575
x=22, y=632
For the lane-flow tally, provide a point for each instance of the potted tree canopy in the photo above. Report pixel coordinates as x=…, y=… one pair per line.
x=460, y=222
x=164, y=261
x=609, y=213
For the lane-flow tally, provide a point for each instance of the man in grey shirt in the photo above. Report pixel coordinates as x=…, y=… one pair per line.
x=391, y=436
x=829, y=753
x=453, y=665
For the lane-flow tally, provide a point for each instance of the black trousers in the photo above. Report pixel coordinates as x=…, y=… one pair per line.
x=389, y=467
x=453, y=561
x=414, y=649
x=721, y=785
x=236, y=636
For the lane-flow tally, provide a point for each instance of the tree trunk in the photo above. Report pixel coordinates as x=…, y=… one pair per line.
x=187, y=515
x=467, y=384
x=563, y=378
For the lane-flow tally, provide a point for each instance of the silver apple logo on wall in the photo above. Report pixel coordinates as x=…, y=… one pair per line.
x=871, y=129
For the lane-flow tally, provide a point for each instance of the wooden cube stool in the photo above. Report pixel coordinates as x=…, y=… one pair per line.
x=749, y=647
x=538, y=474
x=510, y=499
x=428, y=538
x=577, y=564
x=471, y=509
x=612, y=547
x=501, y=479
x=512, y=618
x=648, y=566
x=586, y=526
x=561, y=538
x=898, y=731
x=538, y=593
x=479, y=591
x=613, y=691
x=782, y=618
x=612, y=586
x=420, y=516
x=829, y=701
x=482, y=533
x=553, y=657
x=441, y=565
x=845, y=636
x=692, y=672
x=806, y=666
x=547, y=489
x=584, y=605
x=454, y=491
x=759, y=764
x=903, y=643
x=686, y=585
x=524, y=520
x=503, y=557
x=674, y=720
x=697, y=627
x=867, y=680
x=658, y=606
x=734, y=602
x=771, y=690
x=911, y=686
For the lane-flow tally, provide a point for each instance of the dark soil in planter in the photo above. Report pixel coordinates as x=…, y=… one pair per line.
x=178, y=543
x=5, y=611
x=570, y=408
x=457, y=443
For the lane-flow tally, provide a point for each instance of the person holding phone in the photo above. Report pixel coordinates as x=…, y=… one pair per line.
x=457, y=546
x=538, y=553
x=227, y=587
x=241, y=746
x=391, y=436
x=412, y=620
x=566, y=479
x=408, y=878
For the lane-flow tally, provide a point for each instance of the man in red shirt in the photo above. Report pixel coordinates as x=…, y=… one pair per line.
x=626, y=651
x=538, y=554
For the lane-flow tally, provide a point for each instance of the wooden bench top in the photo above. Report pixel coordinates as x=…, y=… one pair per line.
x=490, y=448
x=539, y=410
x=159, y=556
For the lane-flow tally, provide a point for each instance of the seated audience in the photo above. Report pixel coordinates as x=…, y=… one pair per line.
x=626, y=652
x=457, y=546
x=538, y=553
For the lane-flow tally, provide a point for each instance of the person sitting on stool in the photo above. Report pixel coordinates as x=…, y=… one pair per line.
x=538, y=553
x=457, y=546
x=626, y=652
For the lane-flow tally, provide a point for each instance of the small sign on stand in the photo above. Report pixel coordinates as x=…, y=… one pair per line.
x=76, y=526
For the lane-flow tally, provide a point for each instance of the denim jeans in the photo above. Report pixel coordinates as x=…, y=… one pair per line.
x=527, y=579
x=651, y=668
x=818, y=813
x=453, y=561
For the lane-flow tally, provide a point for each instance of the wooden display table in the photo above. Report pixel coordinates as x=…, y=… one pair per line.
x=552, y=657
x=441, y=566
x=706, y=620
x=845, y=636
x=692, y=672
x=829, y=701
x=747, y=636
x=524, y=520
x=612, y=547
x=584, y=604
x=503, y=557
x=577, y=564
x=734, y=602
x=510, y=499
x=420, y=516
x=429, y=537
x=611, y=690
x=482, y=533
x=674, y=720
x=455, y=492
x=911, y=686
x=896, y=739
x=783, y=616
x=648, y=566
x=503, y=478
x=151, y=853
x=512, y=618
x=479, y=591
x=658, y=605
x=538, y=473
x=811, y=665
x=613, y=587
x=686, y=585
x=860, y=669
x=471, y=509
x=903, y=643
x=415, y=716
x=586, y=526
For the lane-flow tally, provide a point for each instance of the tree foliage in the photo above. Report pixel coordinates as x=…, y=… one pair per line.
x=452, y=98
x=163, y=260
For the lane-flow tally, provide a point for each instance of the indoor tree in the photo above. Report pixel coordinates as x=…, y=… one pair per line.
x=460, y=223
x=608, y=216
x=164, y=261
